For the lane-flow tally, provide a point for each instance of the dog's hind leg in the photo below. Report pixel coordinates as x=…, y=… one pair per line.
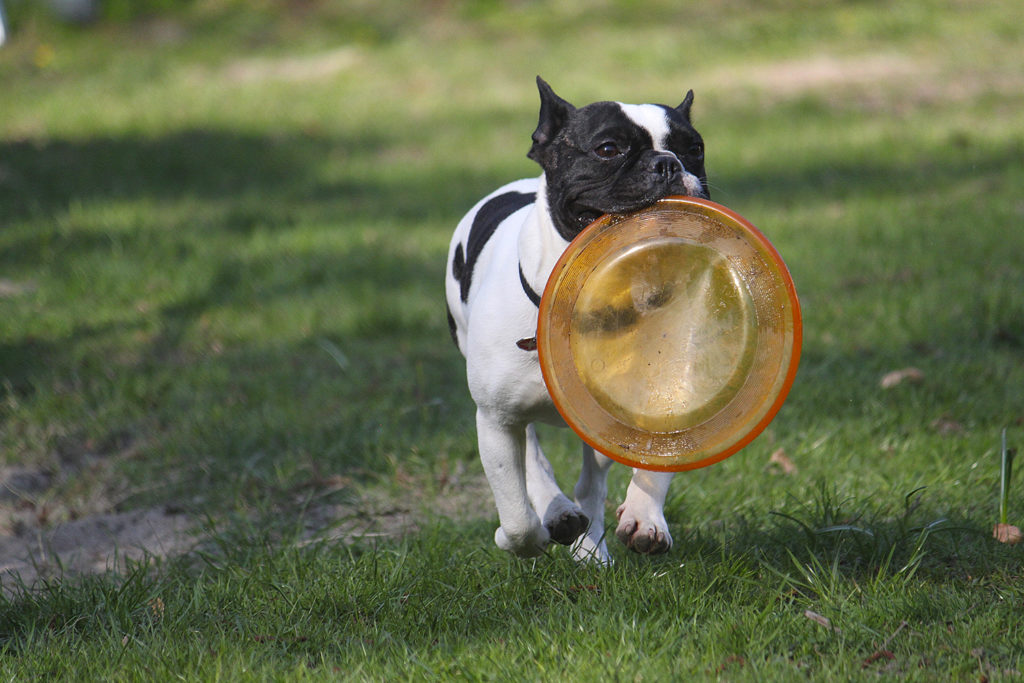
x=503, y=454
x=563, y=519
x=642, y=526
x=590, y=492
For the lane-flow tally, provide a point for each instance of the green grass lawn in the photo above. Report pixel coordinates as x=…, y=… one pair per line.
x=222, y=239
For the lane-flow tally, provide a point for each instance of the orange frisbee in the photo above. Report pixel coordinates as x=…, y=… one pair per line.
x=669, y=337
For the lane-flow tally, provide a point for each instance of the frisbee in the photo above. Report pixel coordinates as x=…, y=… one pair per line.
x=669, y=338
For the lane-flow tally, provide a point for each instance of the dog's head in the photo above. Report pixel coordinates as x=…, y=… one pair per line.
x=610, y=157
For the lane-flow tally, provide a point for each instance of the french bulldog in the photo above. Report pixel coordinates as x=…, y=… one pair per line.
x=606, y=157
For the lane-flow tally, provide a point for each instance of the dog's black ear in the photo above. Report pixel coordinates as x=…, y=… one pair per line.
x=553, y=113
x=684, y=107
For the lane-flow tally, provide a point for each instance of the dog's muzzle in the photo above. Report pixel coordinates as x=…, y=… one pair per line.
x=666, y=168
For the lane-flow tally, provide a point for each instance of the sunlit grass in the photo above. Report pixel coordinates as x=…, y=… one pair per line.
x=222, y=239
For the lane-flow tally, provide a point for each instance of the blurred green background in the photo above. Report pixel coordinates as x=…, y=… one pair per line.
x=224, y=227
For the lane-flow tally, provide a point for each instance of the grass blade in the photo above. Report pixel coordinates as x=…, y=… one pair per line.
x=1006, y=471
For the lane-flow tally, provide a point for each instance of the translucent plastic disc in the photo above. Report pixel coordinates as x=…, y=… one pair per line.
x=668, y=338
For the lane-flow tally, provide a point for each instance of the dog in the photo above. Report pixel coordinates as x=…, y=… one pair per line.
x=606, y=157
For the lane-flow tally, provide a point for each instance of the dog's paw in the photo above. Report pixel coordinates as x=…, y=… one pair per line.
x=649, y=537
x=529, y=543
x=567, y=525
x=588, y=550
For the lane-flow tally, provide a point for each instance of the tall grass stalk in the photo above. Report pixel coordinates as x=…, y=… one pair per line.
x=1006, y=456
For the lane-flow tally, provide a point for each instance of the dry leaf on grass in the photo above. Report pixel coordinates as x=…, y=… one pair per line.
x=820, y=620
x=1007, y=533
x=884, y=652
x=897, y=377
x=874, y=657
x=780, y=462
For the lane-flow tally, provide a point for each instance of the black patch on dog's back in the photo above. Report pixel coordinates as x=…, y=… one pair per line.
x=486, y=221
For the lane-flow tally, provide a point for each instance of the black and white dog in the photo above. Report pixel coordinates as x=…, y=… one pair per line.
x=606, y=157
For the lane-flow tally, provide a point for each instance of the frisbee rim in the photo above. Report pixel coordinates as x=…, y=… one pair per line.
x=608, y=221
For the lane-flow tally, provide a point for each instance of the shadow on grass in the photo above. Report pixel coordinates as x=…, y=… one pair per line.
x=220, y=187
x=200, y=196
x=836, y=179
x=205, y=192
x=43, y=178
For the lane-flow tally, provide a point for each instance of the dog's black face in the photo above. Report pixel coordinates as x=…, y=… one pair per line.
x=612, y=158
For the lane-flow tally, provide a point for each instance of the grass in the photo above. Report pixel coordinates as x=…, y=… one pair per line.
x=222, y=238
x=441, y=604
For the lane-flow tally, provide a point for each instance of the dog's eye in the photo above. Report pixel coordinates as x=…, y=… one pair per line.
x=697, y=151
x=607, y=150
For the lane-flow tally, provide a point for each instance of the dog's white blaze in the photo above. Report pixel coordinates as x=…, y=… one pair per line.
x=654, y=120
x=651, y=118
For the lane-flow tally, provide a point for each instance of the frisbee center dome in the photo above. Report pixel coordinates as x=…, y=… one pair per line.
x=663, y=333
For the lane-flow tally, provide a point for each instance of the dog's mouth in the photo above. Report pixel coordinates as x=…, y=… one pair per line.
x=585, y=211
x=587, y=216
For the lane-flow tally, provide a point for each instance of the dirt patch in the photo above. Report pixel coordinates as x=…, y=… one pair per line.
x=93, y=544
x=32, y=549
x=875, y=80
x=787, y=78
x=463, y=497
x=288, y=69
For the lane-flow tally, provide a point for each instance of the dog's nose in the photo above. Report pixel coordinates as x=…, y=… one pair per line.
x=666, y=166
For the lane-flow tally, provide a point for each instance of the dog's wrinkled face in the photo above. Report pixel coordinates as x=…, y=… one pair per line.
x=609, y=157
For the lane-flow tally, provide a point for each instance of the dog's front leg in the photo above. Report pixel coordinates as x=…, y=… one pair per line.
x=590, y=491
x=642, y=526
x=562, y=518
x=503, y=454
